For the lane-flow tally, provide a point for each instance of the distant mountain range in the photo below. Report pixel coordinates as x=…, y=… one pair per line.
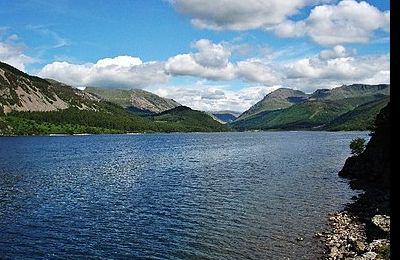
x=225, y=116
x=31, y=105
x=276, y=100
x=349, y=107
x=135, y=100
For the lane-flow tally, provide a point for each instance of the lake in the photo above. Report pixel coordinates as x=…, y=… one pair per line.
x=170, y=196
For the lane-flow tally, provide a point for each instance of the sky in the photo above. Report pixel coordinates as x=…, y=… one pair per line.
x=207, y=54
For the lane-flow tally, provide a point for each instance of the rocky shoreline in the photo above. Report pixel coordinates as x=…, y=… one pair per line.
x=362, y=230
x=347, y=238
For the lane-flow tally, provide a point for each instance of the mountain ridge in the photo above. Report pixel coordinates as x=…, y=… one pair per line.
x=278, y=99
x=135, y=100
x=22, y=92
x=317, y=110
x=30, y=105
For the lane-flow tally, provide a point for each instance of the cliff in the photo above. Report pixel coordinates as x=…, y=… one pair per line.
x=371, y=169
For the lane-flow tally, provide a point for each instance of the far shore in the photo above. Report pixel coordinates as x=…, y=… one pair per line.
x=143, y=133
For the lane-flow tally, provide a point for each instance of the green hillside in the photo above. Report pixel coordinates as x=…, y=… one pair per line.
x=351, y=91
x=361, y=118
x=34, y=106
x=278, y=99
x=187, y=120
x=307, y=115
x=321, y=110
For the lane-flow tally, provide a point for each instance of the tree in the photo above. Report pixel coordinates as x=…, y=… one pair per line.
x=357, y=146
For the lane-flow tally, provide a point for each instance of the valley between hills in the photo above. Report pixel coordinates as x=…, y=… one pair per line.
x=35, y=106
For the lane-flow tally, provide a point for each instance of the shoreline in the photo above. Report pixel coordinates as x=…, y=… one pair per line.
x=144, y=133
x=361, y=231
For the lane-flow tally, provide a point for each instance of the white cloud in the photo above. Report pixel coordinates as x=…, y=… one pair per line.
x=238, y=14
x=289, y=29
x=210, y=54
x=347, y=22
x=212, y=62
x=215, y=98
x=121, y=71
x=68, y=73
x=256, y=71
x=12, y=52
x=338, y=51
x=186, y=65
x=331, y=68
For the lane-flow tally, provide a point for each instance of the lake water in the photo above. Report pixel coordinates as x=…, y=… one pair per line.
x=170, y=196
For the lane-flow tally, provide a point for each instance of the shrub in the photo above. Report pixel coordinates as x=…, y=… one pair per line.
x=357, y=146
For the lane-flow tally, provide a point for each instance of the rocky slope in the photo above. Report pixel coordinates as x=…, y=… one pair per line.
x=22, y=92
x=31, y=105
x=135, y=100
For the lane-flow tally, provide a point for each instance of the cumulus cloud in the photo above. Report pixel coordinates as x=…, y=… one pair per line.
x=338, y=66
x=327, y=69
x=347, y=22
x=186, y=65
x=238, y=14
x=215, y=98
x=12, y=52
x=212, y=62
x=254, y=70
x=211, y=54
x=121, y=71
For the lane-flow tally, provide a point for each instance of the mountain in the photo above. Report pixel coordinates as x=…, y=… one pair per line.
x=225, y=116
x=351, y=91
x=306, y=115
x=135, y=100
x=323, y=110
x=185, y=119
x=278, y=99
x=360, y=118
x=31, y=105
x=22, y=92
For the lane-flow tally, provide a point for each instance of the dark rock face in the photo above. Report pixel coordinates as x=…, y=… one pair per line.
x=371, y=169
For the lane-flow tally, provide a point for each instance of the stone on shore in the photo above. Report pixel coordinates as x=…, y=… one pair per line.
x=382, y=222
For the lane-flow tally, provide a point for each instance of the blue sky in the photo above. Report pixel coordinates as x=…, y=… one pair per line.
x=210, y=55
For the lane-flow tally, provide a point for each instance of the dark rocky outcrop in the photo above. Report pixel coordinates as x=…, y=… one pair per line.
x=371, y=169
x=362, y=231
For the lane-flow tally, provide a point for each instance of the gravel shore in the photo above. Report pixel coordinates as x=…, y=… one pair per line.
x=362, y=231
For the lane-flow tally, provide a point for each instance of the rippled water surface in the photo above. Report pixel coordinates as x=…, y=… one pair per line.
x=170, y=196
